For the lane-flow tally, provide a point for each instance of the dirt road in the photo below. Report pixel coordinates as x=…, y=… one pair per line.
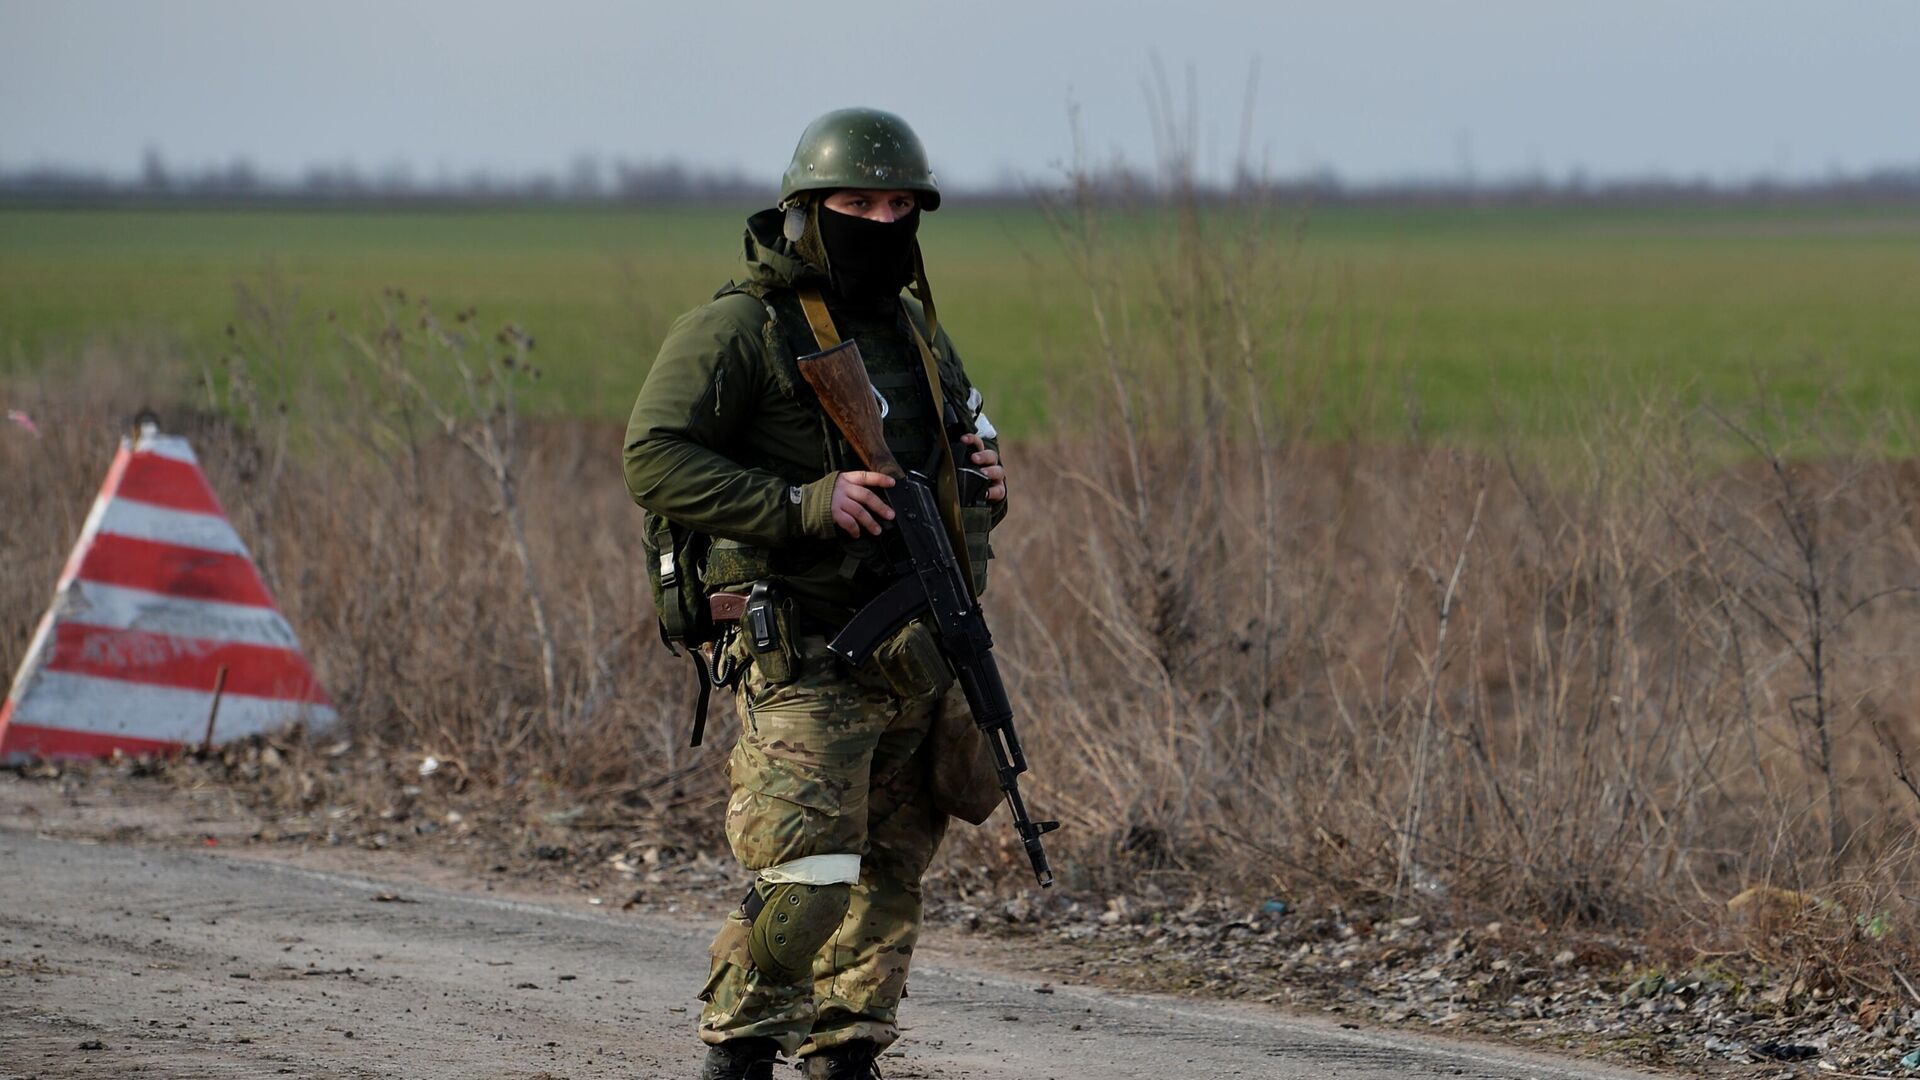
x=142, y=962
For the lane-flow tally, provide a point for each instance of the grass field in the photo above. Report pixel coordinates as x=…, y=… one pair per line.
x=1482, y=322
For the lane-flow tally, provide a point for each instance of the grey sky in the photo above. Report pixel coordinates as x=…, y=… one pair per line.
x=1370, y=88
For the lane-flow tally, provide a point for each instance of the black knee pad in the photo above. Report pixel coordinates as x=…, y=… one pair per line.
x=790, y=924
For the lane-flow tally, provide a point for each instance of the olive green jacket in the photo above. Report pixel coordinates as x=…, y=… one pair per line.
x=727, y=440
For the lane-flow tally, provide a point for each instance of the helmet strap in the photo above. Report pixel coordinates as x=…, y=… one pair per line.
x=795, y=225
x=923, y=292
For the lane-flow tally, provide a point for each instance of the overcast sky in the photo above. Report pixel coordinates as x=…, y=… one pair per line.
x=1369, y=88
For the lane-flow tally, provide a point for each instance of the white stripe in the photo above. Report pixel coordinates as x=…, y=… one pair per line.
x=69, y=702
x=144, y=521
x=121, y=608
x=815, y=870
x=166, y=446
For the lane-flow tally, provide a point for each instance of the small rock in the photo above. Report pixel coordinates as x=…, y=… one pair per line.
x=1644, y=987
x=1717, y=1045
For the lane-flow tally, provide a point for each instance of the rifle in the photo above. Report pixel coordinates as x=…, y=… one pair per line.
x=929, y=582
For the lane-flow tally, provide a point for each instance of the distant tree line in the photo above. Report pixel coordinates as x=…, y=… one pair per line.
x=589, y=181
x=1328, y=188
x=586, y=180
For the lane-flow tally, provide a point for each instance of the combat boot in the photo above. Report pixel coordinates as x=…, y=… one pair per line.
x=848, y=1061
x=740, y=1059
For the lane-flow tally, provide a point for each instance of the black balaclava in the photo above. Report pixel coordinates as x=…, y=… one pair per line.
x=867, y=261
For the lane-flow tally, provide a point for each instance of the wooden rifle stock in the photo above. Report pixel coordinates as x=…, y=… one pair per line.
x=839, y=379
x=931, y=584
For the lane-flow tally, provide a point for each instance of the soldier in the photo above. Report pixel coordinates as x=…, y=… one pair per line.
x=829, y=802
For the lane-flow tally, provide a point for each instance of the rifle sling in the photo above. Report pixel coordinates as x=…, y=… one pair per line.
x=947, y=482
x=817, y=317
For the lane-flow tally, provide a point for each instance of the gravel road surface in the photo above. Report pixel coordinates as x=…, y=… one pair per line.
x=141, y=962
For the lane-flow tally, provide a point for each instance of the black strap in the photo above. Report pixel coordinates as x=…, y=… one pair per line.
x=705, y=680
x=724, y=671
x=752, y=904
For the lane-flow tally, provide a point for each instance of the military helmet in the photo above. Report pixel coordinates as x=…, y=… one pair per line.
x=860, y=148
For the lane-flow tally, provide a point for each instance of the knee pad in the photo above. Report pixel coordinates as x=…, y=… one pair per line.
x=791, y=921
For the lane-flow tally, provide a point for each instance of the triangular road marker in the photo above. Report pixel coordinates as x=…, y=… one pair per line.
x=161, y=630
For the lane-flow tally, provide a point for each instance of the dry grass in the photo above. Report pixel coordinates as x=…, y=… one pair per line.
x=1613, y=689
x=1249, y=657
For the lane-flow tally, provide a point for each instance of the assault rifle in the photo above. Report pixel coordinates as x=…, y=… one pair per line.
x=929, y=581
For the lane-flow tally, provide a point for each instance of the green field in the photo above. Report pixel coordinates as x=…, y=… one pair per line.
x=1483, y=318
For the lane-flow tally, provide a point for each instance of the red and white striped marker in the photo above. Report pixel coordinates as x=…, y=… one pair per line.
x=157, y=598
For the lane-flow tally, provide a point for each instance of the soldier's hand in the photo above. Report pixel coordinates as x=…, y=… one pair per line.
x=989, y=463
x=856, y=504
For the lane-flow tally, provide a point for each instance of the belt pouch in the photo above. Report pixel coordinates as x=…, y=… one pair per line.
x=767, y=628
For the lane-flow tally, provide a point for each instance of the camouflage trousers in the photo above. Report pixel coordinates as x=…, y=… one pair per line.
x=830, y=763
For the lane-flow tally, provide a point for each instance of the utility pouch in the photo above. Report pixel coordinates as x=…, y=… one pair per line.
x=911, y=663
x=961, y=774
x=976, y=522
x=674, y=555
x=767, y=628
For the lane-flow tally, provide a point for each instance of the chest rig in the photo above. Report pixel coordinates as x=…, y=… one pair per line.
x=921, y=393
x=694, y=576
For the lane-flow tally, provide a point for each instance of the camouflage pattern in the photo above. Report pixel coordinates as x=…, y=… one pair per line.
x=832, y=762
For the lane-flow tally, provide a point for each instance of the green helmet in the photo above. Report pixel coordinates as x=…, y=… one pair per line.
x=860, y=148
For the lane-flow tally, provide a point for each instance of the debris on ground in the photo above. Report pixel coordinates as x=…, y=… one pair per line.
x=1570, y=991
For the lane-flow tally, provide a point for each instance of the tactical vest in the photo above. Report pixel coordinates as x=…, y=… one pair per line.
x=683, y=566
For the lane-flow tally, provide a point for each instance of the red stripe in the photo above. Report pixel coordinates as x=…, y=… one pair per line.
x=189, y=663
x=169, y=482
x=173, y=570
x=114, y=472
x=29, y=740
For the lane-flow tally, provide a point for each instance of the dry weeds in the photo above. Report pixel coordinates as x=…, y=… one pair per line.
x=1614, y=690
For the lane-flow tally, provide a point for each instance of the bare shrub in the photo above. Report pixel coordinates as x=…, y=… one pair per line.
x=1614, y=686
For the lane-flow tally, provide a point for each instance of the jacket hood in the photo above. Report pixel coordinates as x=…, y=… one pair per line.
x=772, y=260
